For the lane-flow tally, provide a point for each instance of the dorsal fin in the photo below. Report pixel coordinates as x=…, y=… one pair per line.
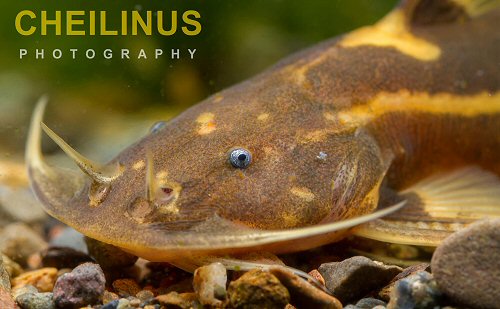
x=427, y=12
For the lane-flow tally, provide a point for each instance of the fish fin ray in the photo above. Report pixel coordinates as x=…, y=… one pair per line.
x=438, y=206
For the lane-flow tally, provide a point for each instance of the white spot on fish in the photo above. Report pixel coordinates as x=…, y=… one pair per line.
x=322, y=155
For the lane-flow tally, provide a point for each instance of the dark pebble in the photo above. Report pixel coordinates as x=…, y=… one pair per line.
x=81, y=287
x=63, y=257
x=355, y=277
x=369, y=303
x=109, y=256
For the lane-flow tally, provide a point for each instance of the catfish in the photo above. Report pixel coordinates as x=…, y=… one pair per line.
x=390, y=132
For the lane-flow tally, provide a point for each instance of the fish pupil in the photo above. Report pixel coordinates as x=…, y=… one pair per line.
x=242, y=157
x=166, y=190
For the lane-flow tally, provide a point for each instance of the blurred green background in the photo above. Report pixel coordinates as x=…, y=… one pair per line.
x=100, y=105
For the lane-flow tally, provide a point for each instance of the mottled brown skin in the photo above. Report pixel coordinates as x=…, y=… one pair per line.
x=296, y=94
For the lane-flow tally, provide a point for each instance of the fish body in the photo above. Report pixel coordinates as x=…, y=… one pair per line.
x=315, y=145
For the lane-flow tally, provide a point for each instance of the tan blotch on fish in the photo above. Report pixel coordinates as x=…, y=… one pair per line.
x=206, y=123
x=303, y=193
x=392, y=31
x=313, y=136
x=263, y=117
x=138, y=165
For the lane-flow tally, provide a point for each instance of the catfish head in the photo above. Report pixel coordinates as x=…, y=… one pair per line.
x=242, y=170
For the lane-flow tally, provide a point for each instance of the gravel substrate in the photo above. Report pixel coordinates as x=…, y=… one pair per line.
x=37, y=272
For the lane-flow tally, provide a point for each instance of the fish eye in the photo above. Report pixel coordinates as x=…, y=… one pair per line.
x=240, y=158
x=157, y=126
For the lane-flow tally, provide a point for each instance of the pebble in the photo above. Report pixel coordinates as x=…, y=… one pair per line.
x=369, y=303
x=83, y=286
x=36, y=301
x=63, y=271
x=19, y=204
x=6, y=300
x=416, y=291
x=302, y=293
x=126, y=287
x=184, y=286
x=164, y=276
x=109, y=297
x=123, y=303
x=4, y=276
x=134, y=302
x=316, y=275
x=110, y=305
x=25, y=289
x=109, y=256
x=257, y=289
x=43, y=279
x=67, y=237
x=403, y=252
x=34, y=261
x=354, y=277
x=182, y=300
x=145, y=295
x=466, y=265
x=385, y=293
x=12, y=268
x=18, y=242
x=209, y=284
x=63, y=257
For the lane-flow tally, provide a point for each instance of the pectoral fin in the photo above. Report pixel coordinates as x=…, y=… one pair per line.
x=437, y=207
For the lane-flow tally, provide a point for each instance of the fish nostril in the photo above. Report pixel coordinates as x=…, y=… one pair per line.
x=97, y=193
